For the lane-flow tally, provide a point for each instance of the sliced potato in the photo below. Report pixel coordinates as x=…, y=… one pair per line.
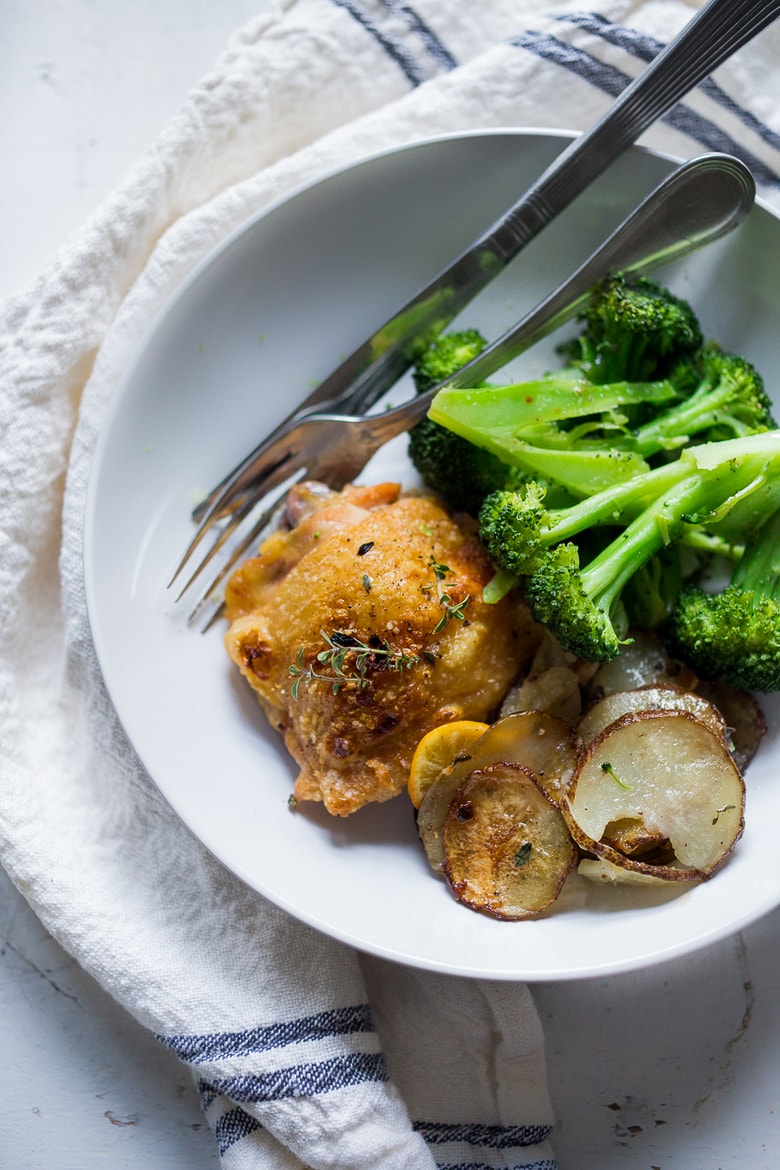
x=546, y=745
x=743, y=715
x=663, y=697
x=668, y=771
x=631, y=837
x=507, y=850
x=641, y=662
x=438, y=750
x=556, y=691
x=598, y=869
x=552, y=683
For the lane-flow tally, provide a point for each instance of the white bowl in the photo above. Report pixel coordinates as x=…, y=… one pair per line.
x=274, y=308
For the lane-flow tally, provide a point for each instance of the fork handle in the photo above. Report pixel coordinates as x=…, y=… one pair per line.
x=709, y=38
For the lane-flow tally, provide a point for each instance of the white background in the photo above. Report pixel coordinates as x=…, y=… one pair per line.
x=674, y=1067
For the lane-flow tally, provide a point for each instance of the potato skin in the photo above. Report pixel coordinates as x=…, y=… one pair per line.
x=507, y=849
x=673, y=772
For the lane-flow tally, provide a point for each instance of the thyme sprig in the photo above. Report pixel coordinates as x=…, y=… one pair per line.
x=349, y=658
x=453, y=611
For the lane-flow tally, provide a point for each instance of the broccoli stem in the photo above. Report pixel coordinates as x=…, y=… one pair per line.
x=605, y=577
x=698, y=497
x=758, y=570
x=611, y=505
x=668, y=501
x=700, y=494
x=519, y=424
x=498, y=586
x=674, y=427
x=500, y=413
x=580, y=472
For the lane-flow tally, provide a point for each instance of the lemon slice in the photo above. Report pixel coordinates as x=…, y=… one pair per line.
x=437, y=750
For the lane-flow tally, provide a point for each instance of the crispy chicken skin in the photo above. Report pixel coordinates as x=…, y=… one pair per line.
x=368, y=565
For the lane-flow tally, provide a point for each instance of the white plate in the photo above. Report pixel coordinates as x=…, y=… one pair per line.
x=273, y=309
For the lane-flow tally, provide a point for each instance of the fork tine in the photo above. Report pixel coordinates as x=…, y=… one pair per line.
x=271, y=474
x=249, y=506
x=327, y=461
x=237, y=553
x=235, y=521
x=218, y=609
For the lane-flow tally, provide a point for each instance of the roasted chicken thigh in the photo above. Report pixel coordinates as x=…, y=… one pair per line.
x=360, y=625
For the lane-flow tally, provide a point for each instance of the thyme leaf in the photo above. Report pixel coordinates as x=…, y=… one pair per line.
x=440, y=571
x=452, y=611
x=348, y=658
x=610, y=771
x=523, y=855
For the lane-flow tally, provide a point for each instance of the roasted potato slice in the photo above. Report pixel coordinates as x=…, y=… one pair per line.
x=541, y=742
x=553, y=683
x=507, y=850
x=556, y=691
x=670, y=772
x=743, y=715
x=664, y=697
x=606, y=873
x=641, y=662
x=631, y=837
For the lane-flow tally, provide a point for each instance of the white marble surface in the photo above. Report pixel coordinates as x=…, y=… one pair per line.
x=673, y=1067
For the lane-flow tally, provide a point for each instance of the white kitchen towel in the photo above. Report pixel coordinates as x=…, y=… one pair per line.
x=305, y=1054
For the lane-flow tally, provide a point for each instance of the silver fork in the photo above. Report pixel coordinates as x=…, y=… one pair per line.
x=709, y=38
x=699, y=202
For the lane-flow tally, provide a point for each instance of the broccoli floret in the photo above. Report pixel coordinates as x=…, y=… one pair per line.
x=460, y=472
x=444, y=356
x=725, y=398
x=448, y=464
x=574, y=607
x=516, y=529
x=582, y=606
x=634, y=329
x=529, y=425
x=511, y=527
x=734, y=635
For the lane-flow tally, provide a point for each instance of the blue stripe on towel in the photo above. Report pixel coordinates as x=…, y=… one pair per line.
x=645, y=48
x=225, y=1045
x=612, y=81
x=496, y=1137
x=208, y=1095
x=304, y=1080
x=232, y=1126
x=440, y=53
x=544, y=1164
x=581, y=64
x=410, y=67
